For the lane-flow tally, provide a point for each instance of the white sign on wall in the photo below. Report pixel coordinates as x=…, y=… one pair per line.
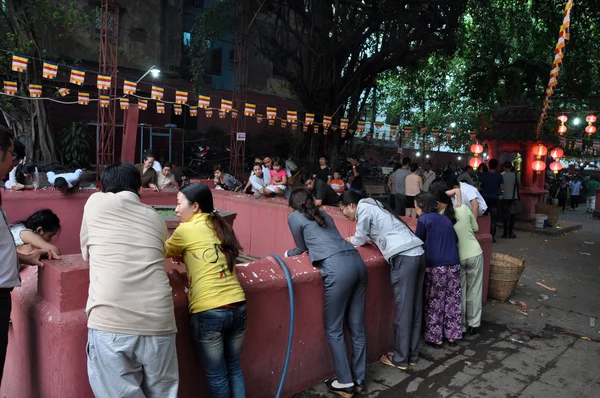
x=241, y=137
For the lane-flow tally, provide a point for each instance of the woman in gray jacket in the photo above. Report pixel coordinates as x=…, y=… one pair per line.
x=344, y=276
x=404, y=252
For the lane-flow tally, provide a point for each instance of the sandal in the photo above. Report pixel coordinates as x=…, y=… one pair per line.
x=437, y=346
x=386, y=359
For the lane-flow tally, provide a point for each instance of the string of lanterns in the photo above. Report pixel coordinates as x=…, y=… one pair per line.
x=590, y=129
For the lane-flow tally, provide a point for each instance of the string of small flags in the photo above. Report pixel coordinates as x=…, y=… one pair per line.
x=559, y=53
x=223, y=108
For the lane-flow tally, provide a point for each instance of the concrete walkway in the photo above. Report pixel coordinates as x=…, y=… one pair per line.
x=550, y=352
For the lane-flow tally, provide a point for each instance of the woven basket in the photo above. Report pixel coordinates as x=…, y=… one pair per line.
x=553, y=213
x=505, y=272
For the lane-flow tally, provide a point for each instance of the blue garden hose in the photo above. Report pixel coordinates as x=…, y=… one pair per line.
x=288, y=352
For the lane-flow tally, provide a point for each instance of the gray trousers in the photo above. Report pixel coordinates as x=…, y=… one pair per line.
x=471, y=283
x=345, y=279
x=400, y=207
x=131, y=366
x=408, y=276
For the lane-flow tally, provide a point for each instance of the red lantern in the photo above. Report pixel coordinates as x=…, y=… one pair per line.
x=562, y=129
x=590, y=129
x=476, y=148
x=590, y=119
x=563, y=118
x=475, y=163
x=540, y=150
x=538, y=166
x=557, y=153
x=555, y=167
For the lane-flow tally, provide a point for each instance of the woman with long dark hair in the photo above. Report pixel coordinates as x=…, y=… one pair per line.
x=225, y=180
x=345, y=279
x=37, y=231
x=403, y=251
x=443, y=312
x=470, y=254
x=23, y=177
x=217, y=303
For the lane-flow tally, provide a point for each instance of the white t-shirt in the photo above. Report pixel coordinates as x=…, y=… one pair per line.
x=71, y=178
x=157, y=166
x=257, y=184
x=469, y=193
x=575, y=188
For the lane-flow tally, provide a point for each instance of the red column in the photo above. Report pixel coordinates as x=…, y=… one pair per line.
x=527, y=168
x=130, y=133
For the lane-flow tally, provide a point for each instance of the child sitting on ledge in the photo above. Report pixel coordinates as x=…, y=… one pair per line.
x=36, y=232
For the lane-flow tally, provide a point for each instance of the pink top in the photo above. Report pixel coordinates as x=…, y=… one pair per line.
x=414, y=184
x=279, y=174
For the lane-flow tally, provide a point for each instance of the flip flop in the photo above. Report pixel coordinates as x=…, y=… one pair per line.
x=386, y=359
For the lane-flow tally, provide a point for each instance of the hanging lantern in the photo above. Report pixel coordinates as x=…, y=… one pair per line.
x=540, y=150
x=477, y=148
x=538, y=166
x=590, y=119
x=590, y=130
x=555, y=167
x=562, y=128
x=557, y=153
x=475, y=163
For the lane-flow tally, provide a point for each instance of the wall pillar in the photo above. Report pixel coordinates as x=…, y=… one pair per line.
x=130, y=127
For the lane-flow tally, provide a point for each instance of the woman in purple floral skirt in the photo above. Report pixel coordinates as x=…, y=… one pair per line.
x=443, y=314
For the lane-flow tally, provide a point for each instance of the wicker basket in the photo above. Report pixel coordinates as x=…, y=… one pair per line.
x=553, y=213
x=505, y=272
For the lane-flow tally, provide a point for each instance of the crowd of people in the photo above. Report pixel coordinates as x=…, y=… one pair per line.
x=436, y=271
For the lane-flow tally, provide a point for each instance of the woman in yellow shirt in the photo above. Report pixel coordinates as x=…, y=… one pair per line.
x=217, y=302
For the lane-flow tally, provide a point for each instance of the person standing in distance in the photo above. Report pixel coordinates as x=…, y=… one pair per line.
x=400, y=177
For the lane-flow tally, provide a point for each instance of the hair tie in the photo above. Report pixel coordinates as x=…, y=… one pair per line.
x=214, y=212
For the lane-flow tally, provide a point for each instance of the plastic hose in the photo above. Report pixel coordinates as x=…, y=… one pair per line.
x=288, y=352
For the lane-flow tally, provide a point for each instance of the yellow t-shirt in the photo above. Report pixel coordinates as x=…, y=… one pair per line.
x=211, y=283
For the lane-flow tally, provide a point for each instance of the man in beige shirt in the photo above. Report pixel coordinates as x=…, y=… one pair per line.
x=131, y=323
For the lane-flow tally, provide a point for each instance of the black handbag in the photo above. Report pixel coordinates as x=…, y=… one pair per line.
x=517, y=206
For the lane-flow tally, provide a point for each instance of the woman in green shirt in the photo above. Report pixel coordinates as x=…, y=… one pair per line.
x=470, y=253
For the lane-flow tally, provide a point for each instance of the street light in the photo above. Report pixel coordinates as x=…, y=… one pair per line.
x=460, y=158
x=418, y=154
x=576, y=121
x=153, y=69
x=452, y=125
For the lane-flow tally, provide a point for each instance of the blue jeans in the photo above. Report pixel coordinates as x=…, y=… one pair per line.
x=219, y=334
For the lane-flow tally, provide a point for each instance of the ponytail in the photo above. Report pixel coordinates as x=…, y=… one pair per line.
x=229, y=242
x=303, y=201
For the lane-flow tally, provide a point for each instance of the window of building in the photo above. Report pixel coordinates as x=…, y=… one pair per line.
x=187, y=42
x=216, y=64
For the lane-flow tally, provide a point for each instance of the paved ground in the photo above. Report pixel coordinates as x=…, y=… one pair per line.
x=551, y=352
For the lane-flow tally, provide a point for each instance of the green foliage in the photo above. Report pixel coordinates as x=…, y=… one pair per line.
x=505, y=50
x=74, y=144
x=215, y=23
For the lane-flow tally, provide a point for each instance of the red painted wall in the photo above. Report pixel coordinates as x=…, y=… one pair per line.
x=46, y=354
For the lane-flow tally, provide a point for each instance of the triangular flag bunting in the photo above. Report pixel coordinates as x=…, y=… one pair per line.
x=309, y=118
x=160, y=107
x=157, y=93
x=35, y=90
x=271, y=113
x=77, y=76
x=124, y=102
x=193, y=111
x=181, y=97
x=49, y=70
x=10, y=88
x=250, y=109
x=104, y=101
x=19, y=63
x=103, y=82
x=83, y=98
x=143, y=104
x=177, y=109
x=129, y=87
x=226, y=105
x=204, y=101
x=63, y=91
x=292, y=116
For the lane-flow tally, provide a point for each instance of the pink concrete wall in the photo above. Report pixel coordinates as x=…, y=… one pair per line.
x=46, y=354
x=261, y=224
